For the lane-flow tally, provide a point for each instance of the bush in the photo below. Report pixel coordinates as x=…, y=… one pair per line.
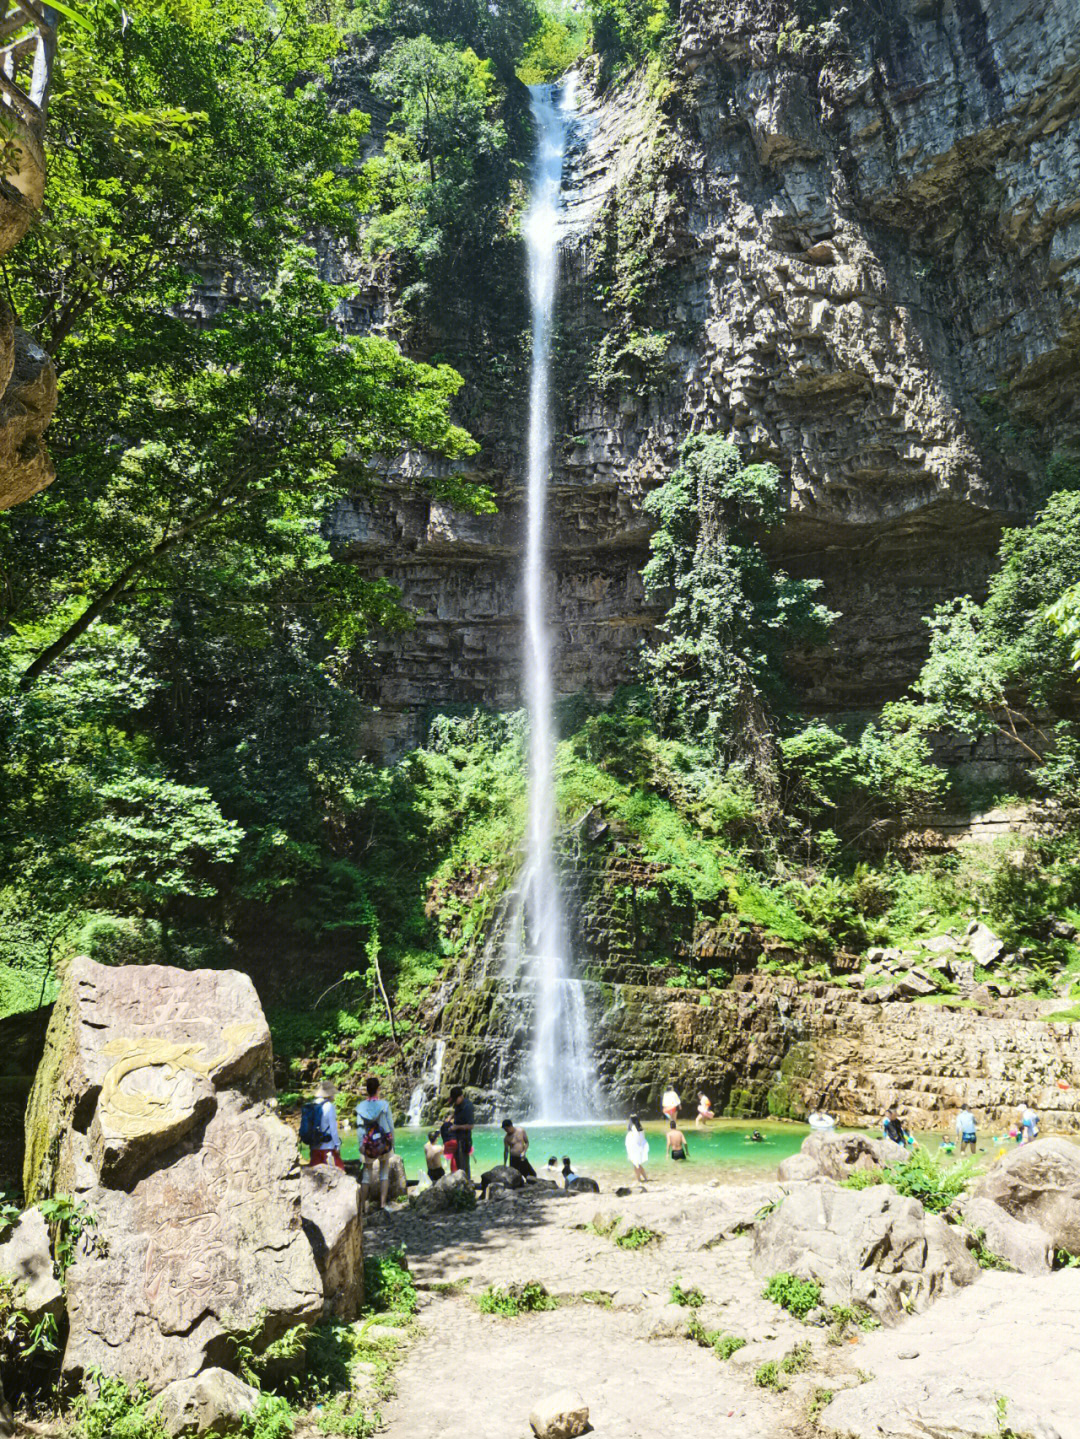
x=797, y=1296
x=928, y=1180
x=637, y=1237
x=688, y=1298
x=517, y=1299
x=388, y=1283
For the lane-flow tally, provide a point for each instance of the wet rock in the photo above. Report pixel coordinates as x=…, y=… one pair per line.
x=1040, y=1183
x=212, y=1404
x=502, y=1176
x=869, y=1247
x=563, y=1415
x=151, y=1107
x=26, y=1259
x=1024, y=1246
x=330, y=1211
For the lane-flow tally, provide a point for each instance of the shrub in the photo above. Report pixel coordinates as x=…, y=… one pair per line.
x=388, y=1283
x=688, y=1298
x=723, y=1345
x=115, y=1412
x=517, y=1299
x=797, y=1296
x=767, y=1376
x=637, y=1238
x=928, y=1180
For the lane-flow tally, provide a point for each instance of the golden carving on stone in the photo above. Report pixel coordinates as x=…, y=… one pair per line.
x=133, y=1114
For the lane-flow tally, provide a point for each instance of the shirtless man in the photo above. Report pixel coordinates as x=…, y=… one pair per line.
x=433, y=1156
x=676, y=1142
x=515, y=1149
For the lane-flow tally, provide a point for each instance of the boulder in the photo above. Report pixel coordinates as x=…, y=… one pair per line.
x=1025, y=1247
x=398, y=1186
x=828, y=1155
x=984, y=944
x=214, y=1403
x=330, y=1212
x=443, y=1194
x=581, y=1184
x=26, y=1259
x=151, y=1106
x=1009, y=1338
x=1040, y=1184
x=502, y=1176
x=869, y=1247
x=564, y=1415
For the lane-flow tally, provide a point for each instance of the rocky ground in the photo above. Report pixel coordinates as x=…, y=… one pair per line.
x=976, y=1362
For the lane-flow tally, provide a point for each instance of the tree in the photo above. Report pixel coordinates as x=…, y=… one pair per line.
x=731, y=615
x=496, y=32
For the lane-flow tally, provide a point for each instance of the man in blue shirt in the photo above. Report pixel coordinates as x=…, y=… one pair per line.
x=328, y=1149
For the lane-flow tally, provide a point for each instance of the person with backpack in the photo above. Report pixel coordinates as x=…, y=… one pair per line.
x=319, y=1127
x=375, y=1135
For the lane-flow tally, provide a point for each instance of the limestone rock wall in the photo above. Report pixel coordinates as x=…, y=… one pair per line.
x=863, y=256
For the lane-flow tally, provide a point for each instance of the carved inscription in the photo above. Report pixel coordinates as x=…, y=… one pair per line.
x=146, y=1106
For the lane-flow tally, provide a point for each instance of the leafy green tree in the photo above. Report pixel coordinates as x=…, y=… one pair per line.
x=496, y=32
x=628, y=31
x=731, y=615
x=560, y=40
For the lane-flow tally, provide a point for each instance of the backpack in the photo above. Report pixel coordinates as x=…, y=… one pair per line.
x=313, y=1132
x=374, y=1142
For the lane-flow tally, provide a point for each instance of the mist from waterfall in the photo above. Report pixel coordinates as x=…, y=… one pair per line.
x=562, y=1069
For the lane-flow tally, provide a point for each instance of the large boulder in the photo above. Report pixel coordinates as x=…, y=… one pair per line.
x=564, y=1415
x=151, y=1108
x=26, y=1260
x=1024, y=1247
x=828, y=1155
x=447, y=1193
x=213, y=1404
x=330, y=1209
x=502, y=1176
x=1040, y=1183
x=1009, y=1341
x=869, y=1247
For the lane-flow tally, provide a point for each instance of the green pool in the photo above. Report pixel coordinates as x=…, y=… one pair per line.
x=723, y=1149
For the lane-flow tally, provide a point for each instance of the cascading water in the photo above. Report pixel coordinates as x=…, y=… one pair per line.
x=561, y=1060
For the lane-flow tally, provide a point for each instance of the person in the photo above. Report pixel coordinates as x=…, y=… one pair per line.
x=1029, y=1124
x=516, y=1148
x=433, y=1156
x=637, y=1148
x=567, y=1173
x=375, y=1133
x=552, y=1170
x=464, y=1119
x=965, y=1129
x=676, y=1142
x=449, y=1143
x=755, y=1137
x=704, y=1111
x=319, y=1127
x=894, y=1128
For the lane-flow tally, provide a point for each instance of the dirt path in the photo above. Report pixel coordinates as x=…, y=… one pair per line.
x=616, y=1337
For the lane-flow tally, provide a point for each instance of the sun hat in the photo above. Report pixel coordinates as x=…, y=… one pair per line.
x=325, y=1090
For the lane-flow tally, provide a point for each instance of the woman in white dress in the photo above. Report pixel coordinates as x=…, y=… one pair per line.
x=637, y=1148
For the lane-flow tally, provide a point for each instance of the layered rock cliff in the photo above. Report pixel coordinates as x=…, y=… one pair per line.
x=852, y=244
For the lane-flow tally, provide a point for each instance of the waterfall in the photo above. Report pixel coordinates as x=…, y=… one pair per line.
x=430, y=1080
x=561, y=1060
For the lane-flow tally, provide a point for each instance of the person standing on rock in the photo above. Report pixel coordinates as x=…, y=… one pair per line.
x=375, y=1132
x=464, y=1119
x=515, y=1149
x=637, y=1149
x=965, y=1130
x=319, y=1128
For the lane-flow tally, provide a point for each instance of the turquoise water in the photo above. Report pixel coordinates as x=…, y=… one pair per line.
x=598, y=1150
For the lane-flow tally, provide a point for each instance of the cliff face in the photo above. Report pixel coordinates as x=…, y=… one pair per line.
x=854, y=248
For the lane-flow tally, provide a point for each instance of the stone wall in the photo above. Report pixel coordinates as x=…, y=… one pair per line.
x=865, y=258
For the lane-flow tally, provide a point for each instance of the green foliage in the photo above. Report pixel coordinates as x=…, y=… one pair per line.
x=625, y=32
x=723, y=1345
x=109, y=1410
x=985, y=1257
x=797, y=1296
x=70, y=1223
x=797, y=1359
x=819, y=1401
x=273, y=1419
x=731, y=615
x=767, y=1376
x=929, y=1180
x=863, y=1179
x=515, y=1300
x=688, y=1298
x=388, y=1283
x=556, y=45
x=848, y=1316
x=637, y=1237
